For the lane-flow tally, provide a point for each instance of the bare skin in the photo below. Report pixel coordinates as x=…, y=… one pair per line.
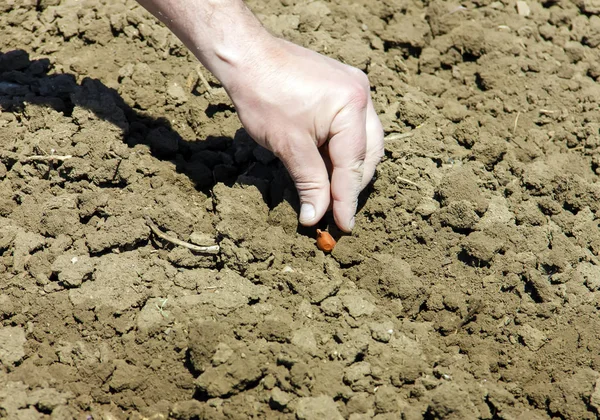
x=313, y=112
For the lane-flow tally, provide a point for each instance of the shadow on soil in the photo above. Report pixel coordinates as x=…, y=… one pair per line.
x=23, y=81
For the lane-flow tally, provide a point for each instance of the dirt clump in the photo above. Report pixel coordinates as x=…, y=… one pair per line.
x=468, y=289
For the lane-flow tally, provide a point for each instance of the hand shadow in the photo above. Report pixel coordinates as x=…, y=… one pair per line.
x=206, y=162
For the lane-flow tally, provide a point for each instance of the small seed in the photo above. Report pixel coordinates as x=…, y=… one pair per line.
x=325, y=241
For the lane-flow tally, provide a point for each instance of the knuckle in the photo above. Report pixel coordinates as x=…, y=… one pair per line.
x=281, y=149
x=357, y=90
x=360, y=76
x=357, y=97
x=308, y=187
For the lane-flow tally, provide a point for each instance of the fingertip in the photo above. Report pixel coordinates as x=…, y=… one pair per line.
x=351, y=224
x=344, y=216
x=308, y=171
x=307, y=214
x=313, y=206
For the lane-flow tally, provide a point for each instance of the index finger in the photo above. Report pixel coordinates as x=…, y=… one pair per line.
x=347, y=151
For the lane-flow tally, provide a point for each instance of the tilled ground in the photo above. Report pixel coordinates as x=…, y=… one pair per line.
x=469, y=289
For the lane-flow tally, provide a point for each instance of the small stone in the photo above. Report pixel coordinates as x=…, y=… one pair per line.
x=176, y=93
x=304, y=338
x=222, y=354
x=7, y=308
x=12, y=340
x=317, y=408
x=382, y=331
x=523, y=9
x=427, y=206
x=357, y=306
x=73, y=270
x=279, y=398
x=533, y=338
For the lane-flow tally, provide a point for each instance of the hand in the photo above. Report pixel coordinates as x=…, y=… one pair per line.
x=313, y=112
x=317, y=116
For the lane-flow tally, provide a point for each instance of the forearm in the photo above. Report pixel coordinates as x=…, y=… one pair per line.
x=220, y=33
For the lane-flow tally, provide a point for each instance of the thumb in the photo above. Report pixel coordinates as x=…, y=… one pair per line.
x=307, y=169
x=347, y=150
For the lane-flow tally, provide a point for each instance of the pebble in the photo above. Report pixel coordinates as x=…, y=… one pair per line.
x=12, y=340
x=304, y=338
x=523, y=9
x=280, y=398
x=176, y=93
x=382, y=331
x=357, y=306
x=317, y=408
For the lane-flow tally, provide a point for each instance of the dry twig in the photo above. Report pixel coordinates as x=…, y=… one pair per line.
x=213, y=249
x=516, y=122
x=407, y=182
x=399, y=136
x=45, y=158
x=204, y=82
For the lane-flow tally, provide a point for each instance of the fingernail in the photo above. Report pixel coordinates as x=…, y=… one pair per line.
x=307, y=213
x=351, y=224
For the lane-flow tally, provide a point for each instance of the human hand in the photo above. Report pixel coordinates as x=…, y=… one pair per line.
x=313, y=112
x=316, y=115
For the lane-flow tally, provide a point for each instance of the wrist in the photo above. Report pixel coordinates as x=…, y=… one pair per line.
x=223, y=34
x=236, y=59
x=232, y=42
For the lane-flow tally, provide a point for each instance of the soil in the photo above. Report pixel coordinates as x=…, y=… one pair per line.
x=470, y=288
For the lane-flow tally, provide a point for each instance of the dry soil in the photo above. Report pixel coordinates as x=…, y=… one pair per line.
x=469, y=289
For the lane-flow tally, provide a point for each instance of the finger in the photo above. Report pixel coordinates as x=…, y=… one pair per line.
x=307, y=169
x=347, y=150
x=324, y=150
x=374, y=144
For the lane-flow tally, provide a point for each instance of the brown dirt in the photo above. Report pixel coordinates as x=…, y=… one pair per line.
x=469, y=289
